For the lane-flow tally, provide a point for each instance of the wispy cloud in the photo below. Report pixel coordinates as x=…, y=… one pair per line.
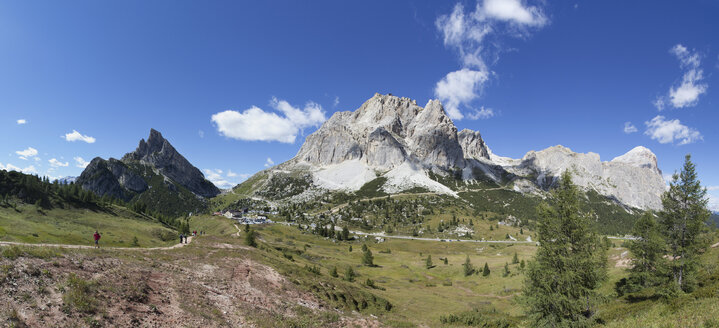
x=27, y=170
x=687, y=92
x=629, y=128
x=668, y=131
x=467, y=33
x=80, y=162
x=201, y=133
x=269, y=162
x=77, y=136
x=21, y=121
x=27, y=153
x=56, y=163
x=256, y=124
x=224, y=180
x=482, y=113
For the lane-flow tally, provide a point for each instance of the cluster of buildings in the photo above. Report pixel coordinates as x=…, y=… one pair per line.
x=245, y=216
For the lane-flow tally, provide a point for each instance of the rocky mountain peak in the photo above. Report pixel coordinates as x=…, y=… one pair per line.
x=640, y=157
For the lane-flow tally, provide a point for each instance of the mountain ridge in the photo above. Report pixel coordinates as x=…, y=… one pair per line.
x=393, y=137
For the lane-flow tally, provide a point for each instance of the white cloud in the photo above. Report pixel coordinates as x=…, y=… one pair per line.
x=687, y=93
x=467, y=34
x=713, y=203
x=712, y=188
x=21, y=121
x=80, y=162
x=77, y=136
x=27, y=153
x=255, y=124
x=201, y=133
x=670, y=131
x=659, y=103
x=55, y=163
x=629, y=128
x=512, y=11
x=269, y=162
x=482, y=113
x=27, y=170
x=336, y=102
x=457, y=88
x=225, y=181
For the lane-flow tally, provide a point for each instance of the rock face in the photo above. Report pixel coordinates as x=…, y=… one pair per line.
x=632, y=179
x=393, y=137
x=126, y=178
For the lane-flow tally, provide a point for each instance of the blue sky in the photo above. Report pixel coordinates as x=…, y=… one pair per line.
x=232, y=83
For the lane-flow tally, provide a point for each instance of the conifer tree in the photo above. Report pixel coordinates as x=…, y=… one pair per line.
x=485, y=271
x=468, y=267
x=250, y=238
x=367, y=258
x=428, y=262
x=560, y=287
x=515, y=259
x=506, y=269
x=333, y=272
x=647, y=256
x=683, y=219
x=350, y=274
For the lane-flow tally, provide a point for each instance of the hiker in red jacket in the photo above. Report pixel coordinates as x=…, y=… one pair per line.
x=96, y=236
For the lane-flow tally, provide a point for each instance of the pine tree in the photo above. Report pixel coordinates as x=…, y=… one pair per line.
x=250, y=238
x=468, y=267
x=333, y=272
x=345, y=233
x=521, y=265
x=560, y=287
x=683, y=219
x=506, y=269
x=647, y=256
x=515, y=259
x=445, y=261
x=428, y=262
x=485, y=271
x=350, y=249
x=350, y=274
x=247, y=227
x=367, y=258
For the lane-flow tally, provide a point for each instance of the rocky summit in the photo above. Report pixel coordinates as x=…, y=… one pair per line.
x=394, y=138
x=155, y=173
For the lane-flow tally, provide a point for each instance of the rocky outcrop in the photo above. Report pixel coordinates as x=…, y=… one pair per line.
x=632, y=179
x=161, y=155
x=123, y=179
x=395, y=138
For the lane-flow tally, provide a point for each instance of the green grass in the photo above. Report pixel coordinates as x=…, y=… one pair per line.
x=213, y=225
x=118, y=227
x=418, y=295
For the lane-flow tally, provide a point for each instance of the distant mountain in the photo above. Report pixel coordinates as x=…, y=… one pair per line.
x=154, y=175
x=411, y=147
x=67, y=180
x=714, y=218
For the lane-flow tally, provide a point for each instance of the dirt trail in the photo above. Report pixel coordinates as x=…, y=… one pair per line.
x=11, y=243
x=715, y=245
x=238, y=230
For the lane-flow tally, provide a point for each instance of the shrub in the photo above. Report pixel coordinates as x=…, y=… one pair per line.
x=79, y=295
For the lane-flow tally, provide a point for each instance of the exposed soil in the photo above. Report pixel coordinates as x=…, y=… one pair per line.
x=212, y=283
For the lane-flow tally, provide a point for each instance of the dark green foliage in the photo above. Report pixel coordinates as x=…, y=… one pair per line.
x=467, y=267
x=367, y=258
x=485, y=271
x=648, y=263
x=333, y=272
x=506, y=270
x=31, y=189
x=350, y=249
x=560, y=288
x=683, y=219
x=428, y=262
x=350, y=274
x=445, y=261
x=521, y=265
x=515, y=258
x=478, y=318
x=247, y=227
x=372, y=189
x=135, y=242
x=250, y=237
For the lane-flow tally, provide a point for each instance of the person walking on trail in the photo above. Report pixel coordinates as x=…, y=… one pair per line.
x=97, y=236
x=181, y=236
